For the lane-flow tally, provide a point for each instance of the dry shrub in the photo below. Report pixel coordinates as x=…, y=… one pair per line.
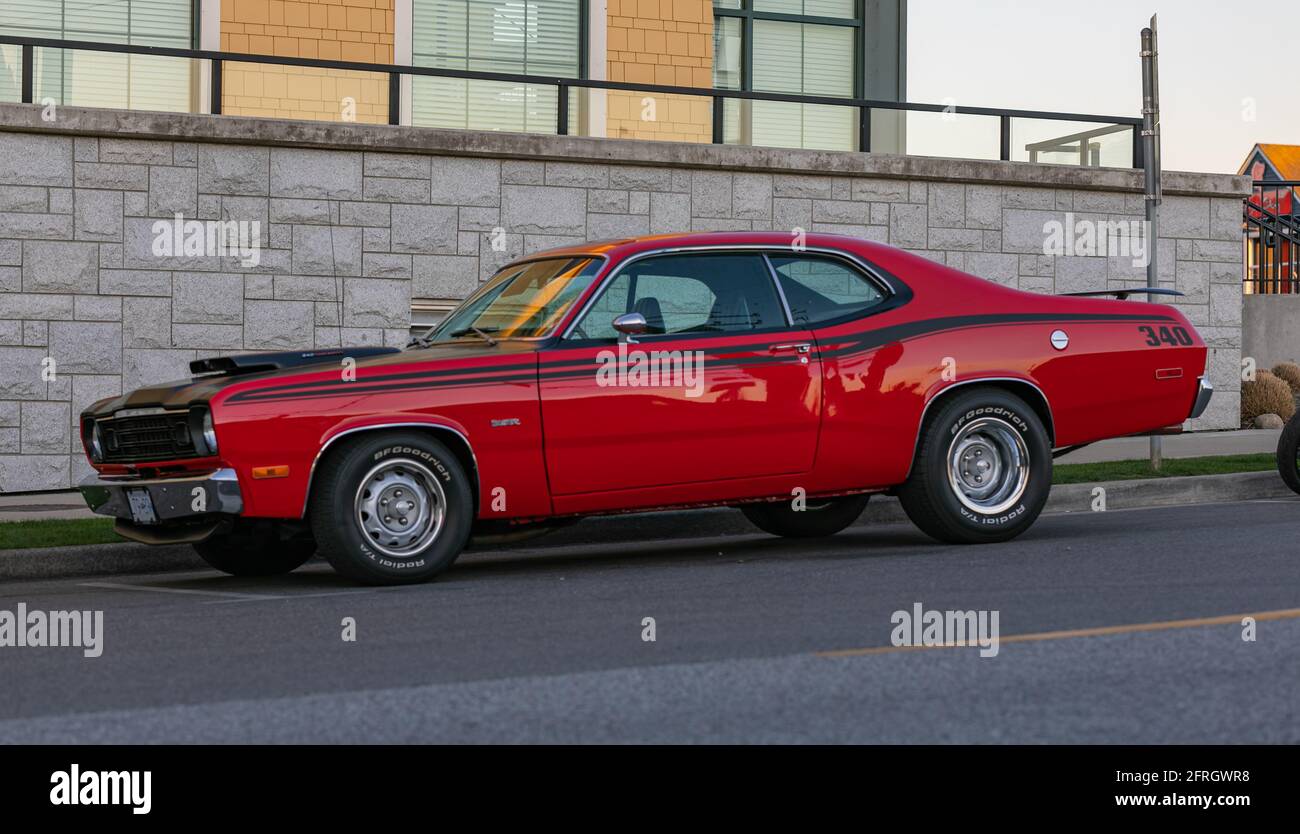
x=1266, y=394
x=1290, y=373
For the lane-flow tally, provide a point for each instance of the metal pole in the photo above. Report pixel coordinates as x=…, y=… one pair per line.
x=394, y=98
x=29, y=74
x=1151, y=168
x=562, y=110
x=214, y=104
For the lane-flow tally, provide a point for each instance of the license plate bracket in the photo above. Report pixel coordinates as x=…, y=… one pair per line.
x=142, y=511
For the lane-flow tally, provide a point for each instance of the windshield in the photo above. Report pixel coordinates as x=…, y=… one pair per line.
x=521, y=301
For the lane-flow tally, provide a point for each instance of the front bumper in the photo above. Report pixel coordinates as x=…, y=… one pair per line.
x=169, y=499
x=1203, y=393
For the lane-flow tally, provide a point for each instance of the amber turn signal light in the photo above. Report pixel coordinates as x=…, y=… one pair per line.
x=260, y=472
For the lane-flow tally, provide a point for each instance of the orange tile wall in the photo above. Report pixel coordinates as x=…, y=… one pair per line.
x=660, y=42
x=340, y=30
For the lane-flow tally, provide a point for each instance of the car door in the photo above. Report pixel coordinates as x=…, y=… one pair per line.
x=720, y=387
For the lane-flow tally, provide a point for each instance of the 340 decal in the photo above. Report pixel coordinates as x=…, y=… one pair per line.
x=1172, y=336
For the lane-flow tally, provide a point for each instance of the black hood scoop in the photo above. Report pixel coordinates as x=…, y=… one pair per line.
x=250, y=363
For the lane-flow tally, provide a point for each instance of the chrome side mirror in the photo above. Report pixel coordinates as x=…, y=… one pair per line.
x=630, y=325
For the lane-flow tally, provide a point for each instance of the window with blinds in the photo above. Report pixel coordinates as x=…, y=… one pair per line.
x=101, y=79
x=805, y=47
x=534, y=37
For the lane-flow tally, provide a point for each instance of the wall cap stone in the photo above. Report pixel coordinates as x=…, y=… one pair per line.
x=137, y=124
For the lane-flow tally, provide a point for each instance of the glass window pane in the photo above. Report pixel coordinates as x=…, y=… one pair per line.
x=803, y=58
x=522, y=301
x=689, y=294
x=955, y=135
x=1072, y=143
x=728, y=49
x=822, y=289
x=808, y=8
x=778, y=56
x=102, y=79
x=534, y=37
x=830, y=8
x=806, y=59
x=11, y=72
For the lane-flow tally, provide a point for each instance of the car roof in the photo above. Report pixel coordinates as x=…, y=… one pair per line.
x=617, y=249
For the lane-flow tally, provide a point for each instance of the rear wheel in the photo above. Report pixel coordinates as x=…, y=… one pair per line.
x=392, y=508
x=824, y=517
x=1288, y=453
x=252, y=549
x=983, y=469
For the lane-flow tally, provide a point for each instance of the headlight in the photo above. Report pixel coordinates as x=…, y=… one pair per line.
x=209, y=432
x=94, y=443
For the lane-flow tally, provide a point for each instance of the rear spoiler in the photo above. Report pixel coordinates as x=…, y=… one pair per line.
x=1123, y=293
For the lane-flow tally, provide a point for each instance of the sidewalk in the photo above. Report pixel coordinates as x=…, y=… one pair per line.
x=68, y=504
x=32, y=506
x=1193, y=445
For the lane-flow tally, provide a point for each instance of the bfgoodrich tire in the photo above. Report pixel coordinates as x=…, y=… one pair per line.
x=824, y=517
x=983, y=469
x=391, y=508
x=256, y=549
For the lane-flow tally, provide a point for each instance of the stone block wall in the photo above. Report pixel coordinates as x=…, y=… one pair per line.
x=357, y=220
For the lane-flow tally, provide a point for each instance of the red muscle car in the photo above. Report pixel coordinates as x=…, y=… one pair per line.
x=790, y=380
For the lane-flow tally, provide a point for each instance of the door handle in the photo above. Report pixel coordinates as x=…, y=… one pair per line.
x=800, y=348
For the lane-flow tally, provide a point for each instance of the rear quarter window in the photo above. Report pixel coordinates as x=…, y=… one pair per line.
x=820, y=289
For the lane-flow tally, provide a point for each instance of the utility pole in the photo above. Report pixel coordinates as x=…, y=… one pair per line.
x=1151, y=167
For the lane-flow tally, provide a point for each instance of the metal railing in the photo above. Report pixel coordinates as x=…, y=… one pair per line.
x=564, y=85
x=1271, y=225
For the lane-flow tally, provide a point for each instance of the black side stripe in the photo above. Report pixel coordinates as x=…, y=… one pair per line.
x=582, y=369
x=872, y=339
x=848, y=345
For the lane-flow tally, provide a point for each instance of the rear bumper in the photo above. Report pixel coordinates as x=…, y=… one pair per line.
x=1203, y=393
x=173, y=499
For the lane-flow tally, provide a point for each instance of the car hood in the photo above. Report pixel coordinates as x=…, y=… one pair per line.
x=252, y=371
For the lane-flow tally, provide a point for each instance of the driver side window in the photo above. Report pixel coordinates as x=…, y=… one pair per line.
x=688, y=293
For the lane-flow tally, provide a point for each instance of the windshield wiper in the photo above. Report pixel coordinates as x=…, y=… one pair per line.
x=482, y=333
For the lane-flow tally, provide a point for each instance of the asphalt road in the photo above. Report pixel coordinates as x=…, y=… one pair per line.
x=544, y=644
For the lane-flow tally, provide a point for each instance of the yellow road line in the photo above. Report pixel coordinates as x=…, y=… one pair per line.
x=1101, y=631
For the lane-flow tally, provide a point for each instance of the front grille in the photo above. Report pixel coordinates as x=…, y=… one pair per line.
x=147, y=438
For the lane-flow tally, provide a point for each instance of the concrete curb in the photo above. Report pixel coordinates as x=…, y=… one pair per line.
x=96, y=560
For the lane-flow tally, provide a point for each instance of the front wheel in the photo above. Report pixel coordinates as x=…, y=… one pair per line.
x=983, y=469
x=1288, y=453
x=392, y=508
x=824, y=517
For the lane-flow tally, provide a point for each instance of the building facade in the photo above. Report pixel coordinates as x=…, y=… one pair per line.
x=816, y=47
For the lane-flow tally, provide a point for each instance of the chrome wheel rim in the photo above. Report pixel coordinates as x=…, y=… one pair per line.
x=400, y=507
x=988, y=466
